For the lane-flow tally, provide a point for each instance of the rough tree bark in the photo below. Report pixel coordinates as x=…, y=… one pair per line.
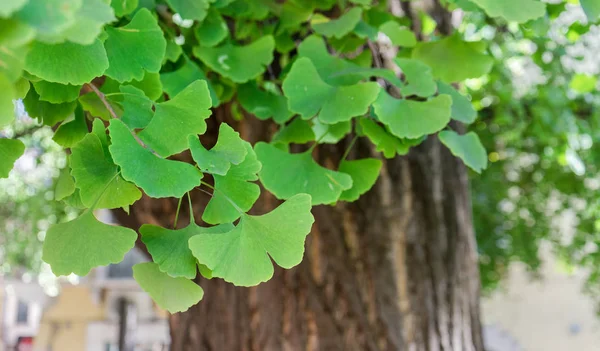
x=397, y=270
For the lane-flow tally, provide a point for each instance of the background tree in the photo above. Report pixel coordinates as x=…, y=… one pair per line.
x=340, y=91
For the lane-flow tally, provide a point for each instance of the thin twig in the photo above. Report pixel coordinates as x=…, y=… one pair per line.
x=103, y=99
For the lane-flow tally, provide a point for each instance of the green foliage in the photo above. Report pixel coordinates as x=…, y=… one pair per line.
x=130, y=88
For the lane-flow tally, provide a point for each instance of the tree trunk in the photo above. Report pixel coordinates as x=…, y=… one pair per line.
x=397, y=270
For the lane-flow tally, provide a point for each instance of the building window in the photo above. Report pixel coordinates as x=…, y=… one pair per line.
x=22, y=313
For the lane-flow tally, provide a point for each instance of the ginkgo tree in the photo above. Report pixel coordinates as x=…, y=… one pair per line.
x=130, y=88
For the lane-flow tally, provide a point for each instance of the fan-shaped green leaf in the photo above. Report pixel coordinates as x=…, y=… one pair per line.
x=413, y=119
x=170, y=249
x=398, y=35
x=308, y=95
x=453, y=60
x=156, y=176
x=212, y=30
x=84, y=243
x=286, y=175
x=135, y=48
x=229, y=149
x=190, y=9
x=65, y=185
x=97, y=177
x=174, y=82
x=70, y=133
x=232, y=61
x=591, y=9
x=137, y=107
x=338, y=27
x=56, y=93
x=174, y=120
x=263, y=103
x=89, y=20
x=298, y=131
x=364, y=173
x=45, y=112
x=384, y=141
x=9, y=7
x=462, y=109
x=330, y=133
x=241, y=256
x=65, y=66
x=419, y=78
x=172, y=294
x=513, y=10
x=123, y=7
x=234, y=194
x=10, y=151
x=49, y=17
x=467, y=147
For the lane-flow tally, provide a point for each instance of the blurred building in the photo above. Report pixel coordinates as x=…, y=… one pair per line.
x=107, y=311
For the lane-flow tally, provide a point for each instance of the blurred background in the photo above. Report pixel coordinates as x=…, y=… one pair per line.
x=536, y=211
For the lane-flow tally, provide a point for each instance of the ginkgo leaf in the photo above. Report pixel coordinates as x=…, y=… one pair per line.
x=337, y=71
x=384, y=141
x=70, y=133
x=137, y=107
x=190, y=9
x=56, y=93
x=453, y=60
x=243, y=255
x=398, y=35
x=263, y=103
x=234, y=194
x=419, y=78
x=183, y=115
x=10, y=151
x=591, y=9
x=173, y=52
x=172, y=294
x=84, y=243
x=91, y=103
x=212, y=30
x=135, y=48
x=364, y=173
x=467, y=147
x=45, y=112
x=89, y=21
x=330, y=133
x=12, y=61
x=99, y=130
x=49, y=17
x=232, y=61
x=299, y=131
x=7, y=108
x=65, y=185
x=413, y=119
x=123, y=7
x=462, y=109
x=156, y=176
x=308, y=95
x=174, y=82
x=97, y=177
x=513, y=10
x=170, y=249
x=65, y=66
x=9, y=7
x=229, y=149
x=286, y=175
x=338, y=27
x=150, y=85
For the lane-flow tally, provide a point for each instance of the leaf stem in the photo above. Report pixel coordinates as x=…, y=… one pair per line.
x=225, y=196
x=318, y=140
x=102, y=98
x=192, y=219
x=349, y=147
x=177, y=213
